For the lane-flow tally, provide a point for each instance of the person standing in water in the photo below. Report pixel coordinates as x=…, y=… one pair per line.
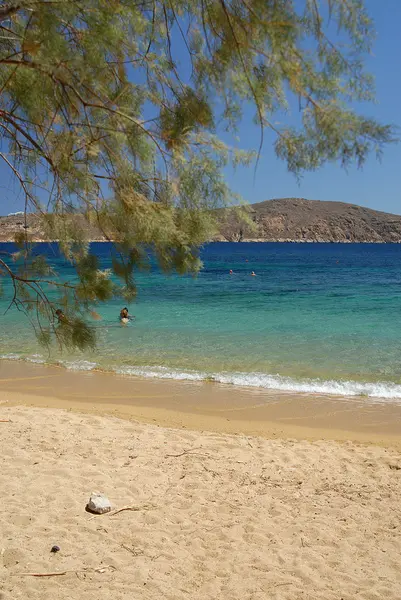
x=125, y=316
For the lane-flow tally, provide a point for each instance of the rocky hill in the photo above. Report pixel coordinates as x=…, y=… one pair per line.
x=282, y=220
x=16, y=223
x=300, y=220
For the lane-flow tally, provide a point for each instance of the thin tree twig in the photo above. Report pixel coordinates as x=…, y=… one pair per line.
x=133, y=507
x=100, y=569
x=134, y=552
x=8, y=11
x=54, y=574
x=189, y=451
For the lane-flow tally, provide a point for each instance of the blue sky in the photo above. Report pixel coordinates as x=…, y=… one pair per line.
x=377, y=186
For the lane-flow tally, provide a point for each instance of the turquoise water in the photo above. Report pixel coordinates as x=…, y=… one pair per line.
x=317, y=317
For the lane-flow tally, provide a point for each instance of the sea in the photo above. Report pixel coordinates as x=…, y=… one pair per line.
x=315, y=318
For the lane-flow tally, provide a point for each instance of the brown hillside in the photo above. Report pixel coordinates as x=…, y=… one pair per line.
x=11, y=225
x=285, y=219
x=297, y=219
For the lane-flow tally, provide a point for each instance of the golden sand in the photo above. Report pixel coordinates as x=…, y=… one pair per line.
x=214, y=515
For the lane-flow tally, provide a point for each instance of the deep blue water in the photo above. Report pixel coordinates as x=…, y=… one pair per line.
x=316, y=317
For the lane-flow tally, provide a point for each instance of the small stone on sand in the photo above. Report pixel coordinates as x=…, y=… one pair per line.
x=98, y=504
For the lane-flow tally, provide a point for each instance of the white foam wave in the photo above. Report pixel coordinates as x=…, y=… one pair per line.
x=11, y=357
x=162, y=373
x=78, y=365
x=374, y=390
x=36, y=358
x=72, y=365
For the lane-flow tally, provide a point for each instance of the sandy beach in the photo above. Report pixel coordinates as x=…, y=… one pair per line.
x=211, y=515
x=200, y=291
x=215, y=516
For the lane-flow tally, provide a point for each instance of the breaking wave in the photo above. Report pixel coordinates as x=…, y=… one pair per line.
x=376, y=391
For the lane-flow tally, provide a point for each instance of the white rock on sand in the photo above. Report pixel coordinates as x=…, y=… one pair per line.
x=98, y=504
x=216, y=517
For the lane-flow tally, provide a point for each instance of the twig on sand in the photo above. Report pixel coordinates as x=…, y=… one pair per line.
x=5, y=420
x=132, y=507
x=214, y=473
x=54, y=574
x=189, y=451
x=132, y=550
x=100, y=569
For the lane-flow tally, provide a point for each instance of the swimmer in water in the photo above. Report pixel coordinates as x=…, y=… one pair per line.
x=253, y=274
x=124, y=313
x=125, y=317
x=231, y=271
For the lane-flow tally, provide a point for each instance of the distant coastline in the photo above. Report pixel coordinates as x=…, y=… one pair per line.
x=297, y=241
x=224, y=241
x=285, y=220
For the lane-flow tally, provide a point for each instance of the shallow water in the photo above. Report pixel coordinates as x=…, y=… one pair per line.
x=317, y=317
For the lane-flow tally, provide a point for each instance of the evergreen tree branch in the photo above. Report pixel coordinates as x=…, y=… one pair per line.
x=107, y=111
x=8, y=10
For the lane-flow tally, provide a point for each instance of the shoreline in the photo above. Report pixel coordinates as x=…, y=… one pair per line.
x=371, y=391
x=202, y=406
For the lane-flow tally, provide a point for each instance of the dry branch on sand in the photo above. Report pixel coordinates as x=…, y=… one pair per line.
x=100, y=569
x=190, y=451
x=132, y=507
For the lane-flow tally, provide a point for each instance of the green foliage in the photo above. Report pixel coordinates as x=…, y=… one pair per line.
x=108, y=119
x=40, y=267
x=236, y=223
x=75, y=333
x=189, y=113
x=44, y=338
x=94, y=285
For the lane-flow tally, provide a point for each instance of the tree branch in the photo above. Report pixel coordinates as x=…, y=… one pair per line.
x=8, y=11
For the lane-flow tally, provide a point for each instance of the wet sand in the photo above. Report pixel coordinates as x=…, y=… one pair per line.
x=203, y=406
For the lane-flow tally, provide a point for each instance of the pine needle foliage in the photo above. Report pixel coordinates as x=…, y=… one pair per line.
x=110, y=110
